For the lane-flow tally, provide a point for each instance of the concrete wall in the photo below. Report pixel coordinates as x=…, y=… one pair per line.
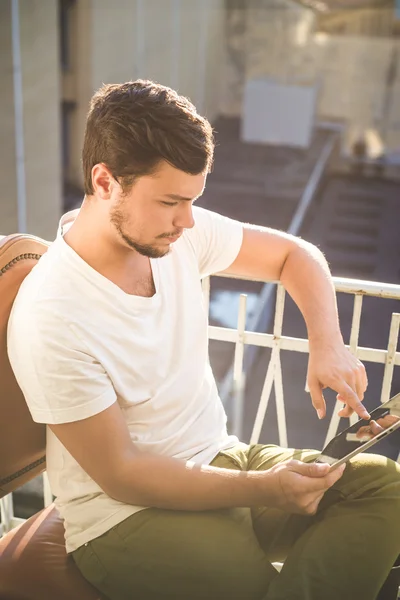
x=41, y=183
x=41, y=89
x=265, y=39
x=361, y=21
x=358, y=76
x=362, y=92
x=8, y=198
x=81, y=74
x=178, y=43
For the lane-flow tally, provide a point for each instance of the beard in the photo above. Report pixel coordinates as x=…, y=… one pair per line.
x=117, y=219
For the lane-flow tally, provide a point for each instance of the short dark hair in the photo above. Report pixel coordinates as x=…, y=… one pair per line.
x=132, y=126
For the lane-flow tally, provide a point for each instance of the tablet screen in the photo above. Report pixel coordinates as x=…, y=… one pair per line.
x=384, y=420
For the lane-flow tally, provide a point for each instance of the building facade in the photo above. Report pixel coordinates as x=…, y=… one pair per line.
x=55, y=53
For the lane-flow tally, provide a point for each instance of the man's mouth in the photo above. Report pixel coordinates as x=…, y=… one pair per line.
x=171, y=238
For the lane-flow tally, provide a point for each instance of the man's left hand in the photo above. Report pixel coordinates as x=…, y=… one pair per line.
x=332, y=365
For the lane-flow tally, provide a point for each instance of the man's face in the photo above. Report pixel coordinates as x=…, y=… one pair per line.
x=156, y=210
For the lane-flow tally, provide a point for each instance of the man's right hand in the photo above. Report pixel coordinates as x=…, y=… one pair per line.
x=298, y=487
x=102, y=445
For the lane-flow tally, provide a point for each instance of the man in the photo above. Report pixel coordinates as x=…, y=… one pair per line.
x=108, y=341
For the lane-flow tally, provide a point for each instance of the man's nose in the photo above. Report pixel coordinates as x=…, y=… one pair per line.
x=184, y=219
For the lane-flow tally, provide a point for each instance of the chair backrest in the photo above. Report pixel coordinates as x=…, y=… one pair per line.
x=22, y=442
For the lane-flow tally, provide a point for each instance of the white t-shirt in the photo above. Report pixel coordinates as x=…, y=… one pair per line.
x=77, y=343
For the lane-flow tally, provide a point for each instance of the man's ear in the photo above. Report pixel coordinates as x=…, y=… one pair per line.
x=102, y=181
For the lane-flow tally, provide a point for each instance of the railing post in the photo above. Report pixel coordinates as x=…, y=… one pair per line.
x=278, y=383
x=354, y=335
x=353, y=346
x=7, y=513
x=276, y=341
x=238, y=374
x=265, y=395
x=390, y=357
x=274, y=376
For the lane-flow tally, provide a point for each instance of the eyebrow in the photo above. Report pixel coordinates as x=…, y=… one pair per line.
x=178, y=197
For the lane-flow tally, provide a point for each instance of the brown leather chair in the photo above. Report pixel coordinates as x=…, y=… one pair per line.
x=33, y=562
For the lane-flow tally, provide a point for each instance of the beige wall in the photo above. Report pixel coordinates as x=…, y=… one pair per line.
x=175, y=42
x=179, y=43
x=351, y=71
x=112, y=41
x=215, y=61
x=265, y=39
x=41, y=123
x=41, y=89
x=81, y=75
x=8, y=199
x=362, y=21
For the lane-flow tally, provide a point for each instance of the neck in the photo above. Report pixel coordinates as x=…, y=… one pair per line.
x=92, y=237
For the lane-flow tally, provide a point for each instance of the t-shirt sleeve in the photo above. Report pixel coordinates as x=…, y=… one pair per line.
x=61, y=382
x=216, y=240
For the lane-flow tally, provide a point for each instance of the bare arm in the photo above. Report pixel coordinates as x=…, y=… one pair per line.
x=304, y=272
x=302, y=269
x=102, y=446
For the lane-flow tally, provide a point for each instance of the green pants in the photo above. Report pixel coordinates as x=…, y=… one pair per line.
x=344, y=552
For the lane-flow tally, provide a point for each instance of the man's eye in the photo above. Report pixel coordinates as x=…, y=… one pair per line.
x=169, y=203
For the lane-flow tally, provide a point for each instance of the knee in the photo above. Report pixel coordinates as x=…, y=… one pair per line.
x=375, y=474
x=376, y=466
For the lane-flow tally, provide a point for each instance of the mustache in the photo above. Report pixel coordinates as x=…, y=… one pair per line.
x=170, y=235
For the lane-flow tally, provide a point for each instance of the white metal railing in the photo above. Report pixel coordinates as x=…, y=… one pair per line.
x=277, y=342
x=262, y=312
x=7, y=518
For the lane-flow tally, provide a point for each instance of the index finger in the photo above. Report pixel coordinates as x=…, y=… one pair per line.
x=351, y=399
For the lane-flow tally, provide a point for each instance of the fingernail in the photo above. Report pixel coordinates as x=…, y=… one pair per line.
x=320, y=413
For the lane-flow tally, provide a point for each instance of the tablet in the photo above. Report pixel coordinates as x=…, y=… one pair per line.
x=385, y=419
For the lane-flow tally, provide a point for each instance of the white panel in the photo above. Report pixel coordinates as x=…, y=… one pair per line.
x=274, y=113
x=215, y=59
x=190, y=41
x=157, y=32
x=41, y=114
x=114, y=42
x=174, y=42
x=8, y=203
